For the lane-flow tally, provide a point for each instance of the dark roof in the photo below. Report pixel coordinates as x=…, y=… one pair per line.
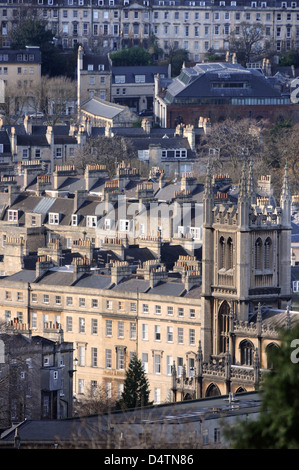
x=196, y=82
x=149, y=71
x=22, y=276
x=94, y=428
x=275, y=318
x=94, y=281
x=32, y=140
x=96, y=60
x=21, y=55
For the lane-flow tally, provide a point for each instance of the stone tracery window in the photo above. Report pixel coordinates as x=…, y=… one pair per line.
x=229, y=263
x=246, y=349
x=221, y=253
x=268, y=253
x=258, y=250
x=223, y=326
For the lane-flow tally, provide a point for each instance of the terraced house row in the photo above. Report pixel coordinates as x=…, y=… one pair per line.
x=196, y=25
x=201, y=310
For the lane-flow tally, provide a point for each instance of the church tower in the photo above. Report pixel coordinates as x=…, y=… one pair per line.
x=245, y=259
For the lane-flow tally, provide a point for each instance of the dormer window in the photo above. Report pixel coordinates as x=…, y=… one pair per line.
x=120, y=79
x=91, y=221
x=108, y=224
x=53, y=218
x=12, y=216
x=139, y=78
x=90, y=67
x=124, y=225
x=74, y=220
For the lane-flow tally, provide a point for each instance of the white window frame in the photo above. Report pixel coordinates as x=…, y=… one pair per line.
x=12, y=215
x=91, y=221
x=53, y=218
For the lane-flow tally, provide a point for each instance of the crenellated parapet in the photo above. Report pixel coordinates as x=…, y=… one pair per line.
x=226, y=214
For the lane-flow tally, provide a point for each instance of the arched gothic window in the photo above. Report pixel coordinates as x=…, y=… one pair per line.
x=229, y=262
x=221, y=253
x=213, y=391
x=268, y=253
x=258, y=259
x=223, y=326
x=269, y=351
x=246, y=349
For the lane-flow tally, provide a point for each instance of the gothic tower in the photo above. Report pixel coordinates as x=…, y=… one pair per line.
x=245, y=259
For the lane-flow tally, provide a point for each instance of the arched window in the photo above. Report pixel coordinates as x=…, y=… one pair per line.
x=246, y=349
x=258, y=259
x=229, y=262
x=213, y=391
x=269, y=352
x=221, y=253
x=268, y=253
x=223, y=326
x=241, y=390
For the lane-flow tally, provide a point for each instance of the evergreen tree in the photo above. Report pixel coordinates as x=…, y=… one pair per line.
x=136, y=387
x=277, y=426
x=129, y=57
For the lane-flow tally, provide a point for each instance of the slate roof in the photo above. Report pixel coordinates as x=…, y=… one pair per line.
x=94, y=281
x=132, y=285
x=99, y=107
x=149, y=71
x=13, y=55
x=62, y=277
x=25, y=275
x=94, y=428
x=168, y=288
x=4, y=140
x=29, y=140
x=196, y=82
x=275, y=318
x=96, y=60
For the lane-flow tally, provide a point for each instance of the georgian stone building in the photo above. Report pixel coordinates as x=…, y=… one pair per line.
x=198, y=26
x=36, y=376
x=201, y=319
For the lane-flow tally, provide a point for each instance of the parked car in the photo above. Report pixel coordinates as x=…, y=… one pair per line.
x=146, y=112
x=37, y=115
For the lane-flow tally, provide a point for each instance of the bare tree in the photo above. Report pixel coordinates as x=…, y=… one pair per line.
x=107, y=151
x=249, y=43
x=281, y=145
x=95, y=401
x=229, y=143
x=56, y=94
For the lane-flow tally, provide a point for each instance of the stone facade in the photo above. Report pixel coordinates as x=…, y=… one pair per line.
x=201, y=322
x=199, y=27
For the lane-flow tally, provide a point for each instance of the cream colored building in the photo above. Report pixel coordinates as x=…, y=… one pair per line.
x=109, y=318
x=203, y=327
x=197, y=26
x=21, y=72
